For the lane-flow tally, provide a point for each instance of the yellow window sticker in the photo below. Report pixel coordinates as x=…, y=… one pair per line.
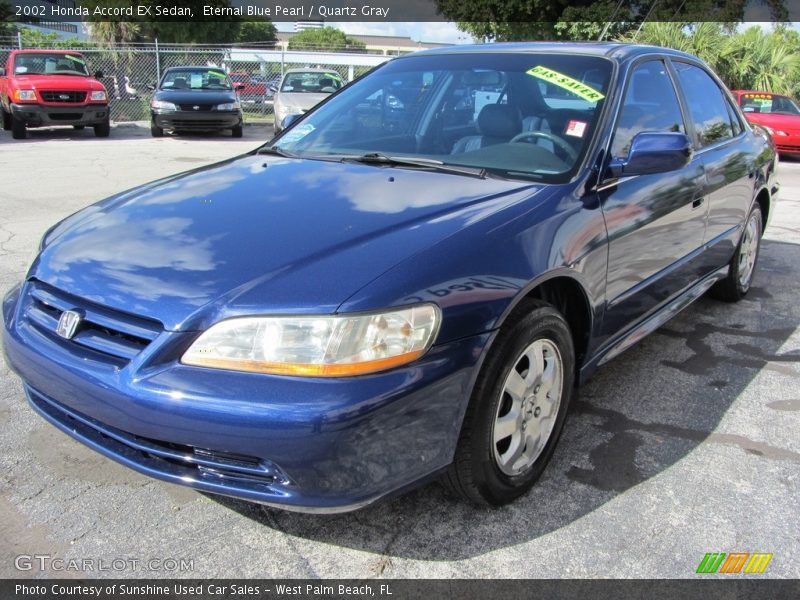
x=568, y=83
x=75, y=58
x=219, y=74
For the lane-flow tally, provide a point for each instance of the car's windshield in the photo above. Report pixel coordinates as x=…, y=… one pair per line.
x=57, y=63
x=518, y=115
x=766, y=103
x=195, y=79
x=311, y=82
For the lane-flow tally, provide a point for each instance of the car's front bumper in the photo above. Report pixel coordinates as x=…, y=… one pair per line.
x=787, y=144
x=197, y=120
x=43, y=115
x=315, y=445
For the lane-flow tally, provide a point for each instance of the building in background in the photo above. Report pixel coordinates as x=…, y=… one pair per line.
x=303, y=25
x=375, y=44
x=64, y=30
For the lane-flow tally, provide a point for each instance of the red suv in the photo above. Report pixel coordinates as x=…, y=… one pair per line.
x=43, y=88
x=777, y=114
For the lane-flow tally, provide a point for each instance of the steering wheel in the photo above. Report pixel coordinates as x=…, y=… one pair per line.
x=569, y=150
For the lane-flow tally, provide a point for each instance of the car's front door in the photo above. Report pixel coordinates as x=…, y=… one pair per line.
x=656, y=223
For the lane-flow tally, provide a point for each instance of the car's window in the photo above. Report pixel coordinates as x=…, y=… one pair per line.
x=707, y=105
x=313, y=82
x=736, y=123
x=519, y=115
x=57, y=63
x=764, y=102
x=651, y=104
x=195, y=79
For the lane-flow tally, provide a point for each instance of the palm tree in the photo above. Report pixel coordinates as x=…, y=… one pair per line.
x=114, y=34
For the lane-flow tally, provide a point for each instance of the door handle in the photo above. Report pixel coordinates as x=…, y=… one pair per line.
x=697, y=203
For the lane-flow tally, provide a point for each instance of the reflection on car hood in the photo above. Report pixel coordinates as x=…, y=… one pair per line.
x=259, y=234
x=303, y=100
x=195, y=96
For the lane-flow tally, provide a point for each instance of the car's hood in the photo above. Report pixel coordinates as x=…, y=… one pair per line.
x=303, y=100
x=57, y=82
x=196, y=96
x=788, y=123
x=259, y=234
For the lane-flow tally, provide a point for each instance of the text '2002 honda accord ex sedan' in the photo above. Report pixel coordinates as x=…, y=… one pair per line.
x=406, y=284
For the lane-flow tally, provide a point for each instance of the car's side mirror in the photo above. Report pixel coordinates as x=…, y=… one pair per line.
x=151, y=87
x=239, y=87
x=2, y=72
x=273, y=88
x=653, y=152
x=99, y=75
x=289, y=119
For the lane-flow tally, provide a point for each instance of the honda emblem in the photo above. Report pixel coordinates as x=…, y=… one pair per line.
x=68, y=324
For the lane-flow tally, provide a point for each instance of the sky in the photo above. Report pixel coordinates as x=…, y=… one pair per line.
x=420, y=32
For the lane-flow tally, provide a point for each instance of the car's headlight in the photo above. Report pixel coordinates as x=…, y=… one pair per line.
x=162, y=105
x=99, y=95
x=317, y=346
x=229, y=106
x=769, y=130
x=780, y=133
x=24, y=95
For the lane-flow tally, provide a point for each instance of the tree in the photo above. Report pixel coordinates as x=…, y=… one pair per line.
x=7, y=27
x=508, y=20
x=325, y=38
x=257, y=31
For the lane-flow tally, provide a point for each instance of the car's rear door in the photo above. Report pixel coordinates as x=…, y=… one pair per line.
x=656, y=223
x=728, y=160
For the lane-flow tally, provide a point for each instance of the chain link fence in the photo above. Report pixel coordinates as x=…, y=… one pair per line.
x=129, y=71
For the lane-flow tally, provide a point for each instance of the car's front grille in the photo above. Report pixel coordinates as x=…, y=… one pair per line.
x=66, y=97
x=200, y=107
x=65, y=116
x=196, y=124
x=112, y=334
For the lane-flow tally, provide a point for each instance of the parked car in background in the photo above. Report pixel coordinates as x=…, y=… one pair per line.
x=354, y=309
x=776, y=113
x=44, y=88
x=253, y=87
x=196, y=99
x=302, y=89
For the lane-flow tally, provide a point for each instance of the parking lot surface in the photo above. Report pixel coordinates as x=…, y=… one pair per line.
x=686, y=444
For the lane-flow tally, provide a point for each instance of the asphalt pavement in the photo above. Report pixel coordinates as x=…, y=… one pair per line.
x=686, y=444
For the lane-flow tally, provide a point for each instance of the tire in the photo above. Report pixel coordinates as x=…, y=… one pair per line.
x=6, y=120
x=79, y=127
x=18, y=129
x=237, y=131
x=487, y=469
x=156, y=131
x=103, y=129
x=743, y=264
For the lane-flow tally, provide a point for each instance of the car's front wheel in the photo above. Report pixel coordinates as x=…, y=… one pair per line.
x=237, y=131
x=103, y=129
x=743, y=264
x=155, y=130
x=517, y=409
x=18, y=129
x=6, y=119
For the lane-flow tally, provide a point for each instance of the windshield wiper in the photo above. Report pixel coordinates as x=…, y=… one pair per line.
x=277, y=151
x=380, y=158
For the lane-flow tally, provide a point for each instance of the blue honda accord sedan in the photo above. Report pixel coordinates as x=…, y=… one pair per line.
x=407, y=284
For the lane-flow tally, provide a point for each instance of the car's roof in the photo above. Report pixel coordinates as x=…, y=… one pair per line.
x=45, y=51
x=759, y=92
x=614, y=50
x=309, y=70
x=206, y=67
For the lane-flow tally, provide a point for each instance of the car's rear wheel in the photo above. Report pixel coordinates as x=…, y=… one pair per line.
x=156, y=131
x=237, y=131
x=103, y=129
x=6, y=119
x=18, y=129
x=743, y=264
x=517, y=409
